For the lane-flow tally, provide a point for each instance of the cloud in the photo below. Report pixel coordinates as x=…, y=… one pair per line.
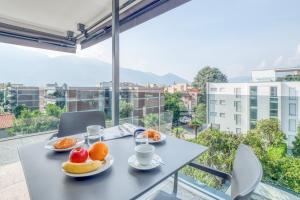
x=281, y=61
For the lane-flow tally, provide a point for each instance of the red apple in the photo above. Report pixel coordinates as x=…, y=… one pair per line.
x=78, y=155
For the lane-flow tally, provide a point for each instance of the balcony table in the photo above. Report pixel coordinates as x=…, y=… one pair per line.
x=46, y=181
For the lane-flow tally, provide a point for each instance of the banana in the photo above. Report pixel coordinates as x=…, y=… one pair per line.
x=80, y=168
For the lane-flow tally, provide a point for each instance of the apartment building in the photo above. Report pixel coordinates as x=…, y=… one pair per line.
x=236, y=107
x=82, y=99
x=189, y=94
x=18, y=94
x=52, y=93
x=145, y=99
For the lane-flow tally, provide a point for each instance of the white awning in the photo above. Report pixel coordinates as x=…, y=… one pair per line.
x=62, y=24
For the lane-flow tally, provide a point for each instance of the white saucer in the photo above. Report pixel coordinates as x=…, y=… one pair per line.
x=109, y=160
x=132, y=161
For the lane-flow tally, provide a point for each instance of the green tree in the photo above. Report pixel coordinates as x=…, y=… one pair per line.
x=296, y=143
x=54, y=110
x=33, y=121
x=174, y=104
x=200, y=113
x=290, y=78
x=178, y=132
x=207, y=74
x=195, y=124
x=151, y=121
x=268, y=143
x=125, y=109
x=18, y=109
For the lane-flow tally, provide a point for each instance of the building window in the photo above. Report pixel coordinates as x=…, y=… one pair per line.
x=253, y=106
x=292, y=109
x=273, y=91
x=252, y=124
x=237, y=92
x=222, y=115
x=253, y=90
x=222, y=102
x=237, y=119
x=237, y=105
x=292, y=125
x=273, y=102
x=213, y=114
x=238, y=131
x=292, y=93
x=213, y=89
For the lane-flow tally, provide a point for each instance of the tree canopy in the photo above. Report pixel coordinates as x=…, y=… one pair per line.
x=125, y=109
x=208, y=74
x=268, y=143
x=174, y=104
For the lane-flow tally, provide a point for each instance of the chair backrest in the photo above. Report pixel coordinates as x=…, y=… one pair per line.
x=247, y=173
x=76, y=122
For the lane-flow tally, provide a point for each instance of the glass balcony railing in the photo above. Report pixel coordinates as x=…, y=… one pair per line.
x=220, y=124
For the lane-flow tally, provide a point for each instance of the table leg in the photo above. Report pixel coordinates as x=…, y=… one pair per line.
x=175, y=187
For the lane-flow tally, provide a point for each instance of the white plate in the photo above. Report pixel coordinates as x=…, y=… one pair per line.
x=132, y=161
x=163, y=137
x=109, y=160
x=49, y=145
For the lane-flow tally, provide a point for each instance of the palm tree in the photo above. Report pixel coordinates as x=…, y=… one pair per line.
x=195, y=124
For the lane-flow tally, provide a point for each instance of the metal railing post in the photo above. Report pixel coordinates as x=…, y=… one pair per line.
x=115, y=62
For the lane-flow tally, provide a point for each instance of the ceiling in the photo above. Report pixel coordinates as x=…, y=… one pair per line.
x=54, y=24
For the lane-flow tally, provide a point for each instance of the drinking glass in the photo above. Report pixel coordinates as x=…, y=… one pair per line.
x=141, y=138
x=95, y=132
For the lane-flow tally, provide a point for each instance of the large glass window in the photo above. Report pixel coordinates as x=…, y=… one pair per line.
x=292, y=93
x=273, y=91
x=237, y=92
x=237, y=105
x=292, y=109
x=273, y=102
x=292, y=125
x=253, y=106
x=237, y=118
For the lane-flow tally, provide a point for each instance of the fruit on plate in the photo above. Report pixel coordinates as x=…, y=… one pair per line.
x=152, y=134
x=98, y=151
x=65, y=143
x=78, y=155
x=80, y=168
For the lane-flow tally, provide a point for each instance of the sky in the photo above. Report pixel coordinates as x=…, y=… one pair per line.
x=233, y=35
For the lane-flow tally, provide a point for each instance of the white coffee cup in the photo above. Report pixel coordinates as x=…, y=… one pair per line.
x=94, y=131
x=144, y=153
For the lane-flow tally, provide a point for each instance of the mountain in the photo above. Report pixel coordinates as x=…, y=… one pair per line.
x=34, y=68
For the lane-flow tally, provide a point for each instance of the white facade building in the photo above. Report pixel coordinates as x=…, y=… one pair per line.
x=266, y=75
x=236, y=107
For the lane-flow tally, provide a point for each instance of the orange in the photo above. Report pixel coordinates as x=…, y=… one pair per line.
x=98, y=151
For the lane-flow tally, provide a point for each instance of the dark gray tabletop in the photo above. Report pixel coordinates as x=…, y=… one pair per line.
x=46, y=181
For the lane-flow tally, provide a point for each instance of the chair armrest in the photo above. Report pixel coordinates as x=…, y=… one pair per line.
x=215, y=172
